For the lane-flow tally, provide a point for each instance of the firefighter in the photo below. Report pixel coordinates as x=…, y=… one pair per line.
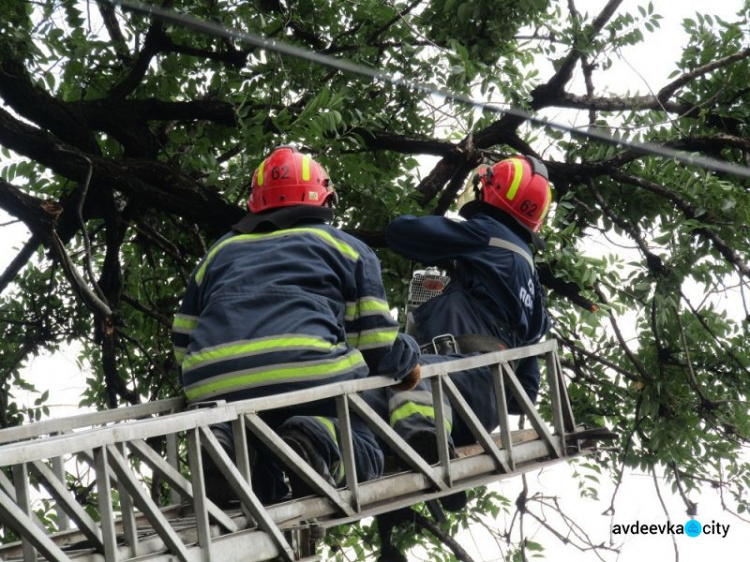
x=494, y=300
x=286, y=302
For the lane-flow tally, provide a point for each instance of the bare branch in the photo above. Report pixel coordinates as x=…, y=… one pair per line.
x=731, y=255
x=19, y=261
x=667, y=91
x=666, y=512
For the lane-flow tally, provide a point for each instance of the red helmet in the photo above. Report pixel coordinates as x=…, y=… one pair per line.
x=518, y=185
x=288, y=177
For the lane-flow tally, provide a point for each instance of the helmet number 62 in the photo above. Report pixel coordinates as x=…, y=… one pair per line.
x=280, y=172
x=528, y=208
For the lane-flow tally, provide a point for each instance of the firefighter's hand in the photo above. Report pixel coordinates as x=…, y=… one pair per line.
x=410, y=381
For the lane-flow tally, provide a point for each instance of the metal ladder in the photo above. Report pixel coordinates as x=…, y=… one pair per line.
x=113, y=447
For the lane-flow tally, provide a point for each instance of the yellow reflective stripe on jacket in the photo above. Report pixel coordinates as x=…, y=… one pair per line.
x=330, y=427
x=411, y=409
x=184, y=324
x=372, y=338
x=179, y=353
x=250, y=347
x=517, y=177
x=337, y=469
x=272, y=375
x=328, y=238
x=366, y=306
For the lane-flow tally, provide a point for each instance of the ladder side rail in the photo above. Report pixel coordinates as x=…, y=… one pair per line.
x=322, y=392
x=531, y=412
x=503, y=418
x=15, y=453
x=181, y=484
x=82, y=442
x=67, y=504
x=475, y=426
x=245, y=493
x=89, y=420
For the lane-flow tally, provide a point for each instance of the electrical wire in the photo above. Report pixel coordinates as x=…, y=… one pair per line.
x=219, y=30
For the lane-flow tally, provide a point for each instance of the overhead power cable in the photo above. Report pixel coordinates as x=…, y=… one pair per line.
x=219, y=30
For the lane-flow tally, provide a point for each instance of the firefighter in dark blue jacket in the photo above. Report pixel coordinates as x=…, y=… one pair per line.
x=494, y=300
x=287, y=302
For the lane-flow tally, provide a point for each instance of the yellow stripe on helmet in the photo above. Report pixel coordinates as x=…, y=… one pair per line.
x=547, y=201
x=517, y=177
x=260, y=172
x=306, y=167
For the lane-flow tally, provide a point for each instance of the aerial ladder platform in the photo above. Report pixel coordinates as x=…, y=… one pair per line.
x=112, y=452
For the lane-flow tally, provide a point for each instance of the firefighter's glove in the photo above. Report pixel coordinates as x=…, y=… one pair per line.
x=410, y=381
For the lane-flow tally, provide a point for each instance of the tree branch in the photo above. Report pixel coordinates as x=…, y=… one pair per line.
x=76, y=281
x=19, y=261
x=667, y=91
x=554, y=87
x=446, y=539
x=35, y=104
x=731, y=255
x=155, y=183
x=156, y=41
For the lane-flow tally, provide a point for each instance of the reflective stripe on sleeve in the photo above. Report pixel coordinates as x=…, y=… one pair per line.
x=370, y=339
x=179, y=353
x=184, y=323
x=366, y=306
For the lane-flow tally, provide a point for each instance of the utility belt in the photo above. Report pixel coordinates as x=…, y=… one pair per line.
x=446, y=344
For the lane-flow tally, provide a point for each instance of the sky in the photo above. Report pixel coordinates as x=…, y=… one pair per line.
x=643, y=67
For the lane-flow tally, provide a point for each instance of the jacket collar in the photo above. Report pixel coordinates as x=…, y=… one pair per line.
x=284, y=217
x=476, y=207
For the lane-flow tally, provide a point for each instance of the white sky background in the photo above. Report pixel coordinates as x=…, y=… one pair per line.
x=645, y=66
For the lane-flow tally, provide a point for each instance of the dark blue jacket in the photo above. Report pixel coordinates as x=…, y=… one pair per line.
x=493, y=290
x=285, y=310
